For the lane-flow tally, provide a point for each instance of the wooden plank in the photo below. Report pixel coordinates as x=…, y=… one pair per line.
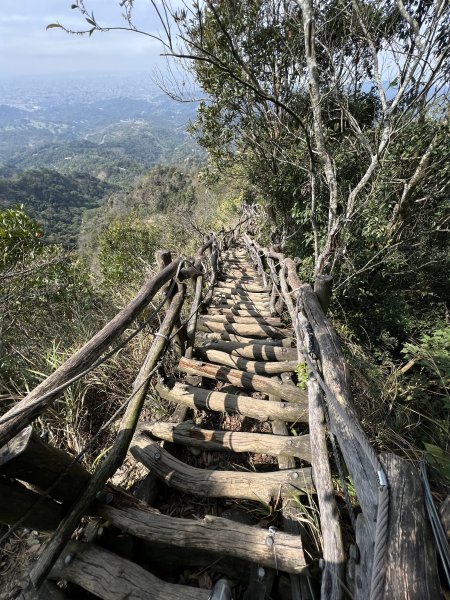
x=259, y=352
x=262, y=410
x=220, y=536
x=262, y=487
x=251, y=366
x=189, y=434
x=25, y=411
x=251, y=381
x=111, y=577
x=28, y=458
x=257, y=330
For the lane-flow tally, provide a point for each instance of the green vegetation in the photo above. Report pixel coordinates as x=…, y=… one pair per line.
x=57, y=201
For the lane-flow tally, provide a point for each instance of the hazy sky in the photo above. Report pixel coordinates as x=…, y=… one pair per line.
x=26, y=48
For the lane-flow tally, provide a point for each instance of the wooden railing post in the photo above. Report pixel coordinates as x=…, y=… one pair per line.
x=163, y=259
x=323, y=287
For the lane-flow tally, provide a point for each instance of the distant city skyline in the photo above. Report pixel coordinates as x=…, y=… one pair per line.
x=28, y=49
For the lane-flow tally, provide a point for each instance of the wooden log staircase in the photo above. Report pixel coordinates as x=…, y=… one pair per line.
x=238, y=443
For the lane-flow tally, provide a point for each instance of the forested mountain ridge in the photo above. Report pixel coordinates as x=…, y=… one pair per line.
x=55, y=200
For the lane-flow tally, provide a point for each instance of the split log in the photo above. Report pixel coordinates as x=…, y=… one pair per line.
x=241, y=287
x=17, y=501
x=111, y=577
x=28, y=458
x=262, y=487
x=244, y=296
x=243, y=319
x=25, y=411
x=261, y=410
x=189, y=434
x=251, y=366
x=254, y=351
x=287, y=342
x=238, y=312
x=258, y=330
x=243, y=379
x=220, y=536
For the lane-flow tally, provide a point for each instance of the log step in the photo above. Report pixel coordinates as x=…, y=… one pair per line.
x=254, y=351
x=261, y=410
x=238, y=312
x=206, y=483
x=230, y=337
x=188, y=434
x=111, y=577
x=228, y=318
x=242, y=287
x=257, y=383
x=220, y=536
x=243, y=329
x=251, y=366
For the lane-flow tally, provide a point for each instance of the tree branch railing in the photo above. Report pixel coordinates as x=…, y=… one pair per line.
x=391, y=501
x=59, y=476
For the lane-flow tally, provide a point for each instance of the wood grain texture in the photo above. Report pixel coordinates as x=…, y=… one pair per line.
x=110, y=577
x=230, y=318
x=220, y=536
x=333, y=572
x=411, y=572
x=242, y=379
x=218, y=484
x=262, y=410
x=236, y=441
x=259, y=352
x=251, y=366
x=229, y=337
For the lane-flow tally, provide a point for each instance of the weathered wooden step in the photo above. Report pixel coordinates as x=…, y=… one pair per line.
x=251, y=366
x=256, y=330
x=206, y=483
x=273, y=321
x=238, y=312
x=261, y=410
x=254, y=351
x=242, y=287
x=242, y=295
x=111, y=577
x=287, y=342
x=188, y=434
x=257, y=383
x=220, y=536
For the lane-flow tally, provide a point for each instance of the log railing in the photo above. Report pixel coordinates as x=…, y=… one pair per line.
x=394, y=556
x=58, y=478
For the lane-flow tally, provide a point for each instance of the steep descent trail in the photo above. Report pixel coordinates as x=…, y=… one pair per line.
x=239, y=362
